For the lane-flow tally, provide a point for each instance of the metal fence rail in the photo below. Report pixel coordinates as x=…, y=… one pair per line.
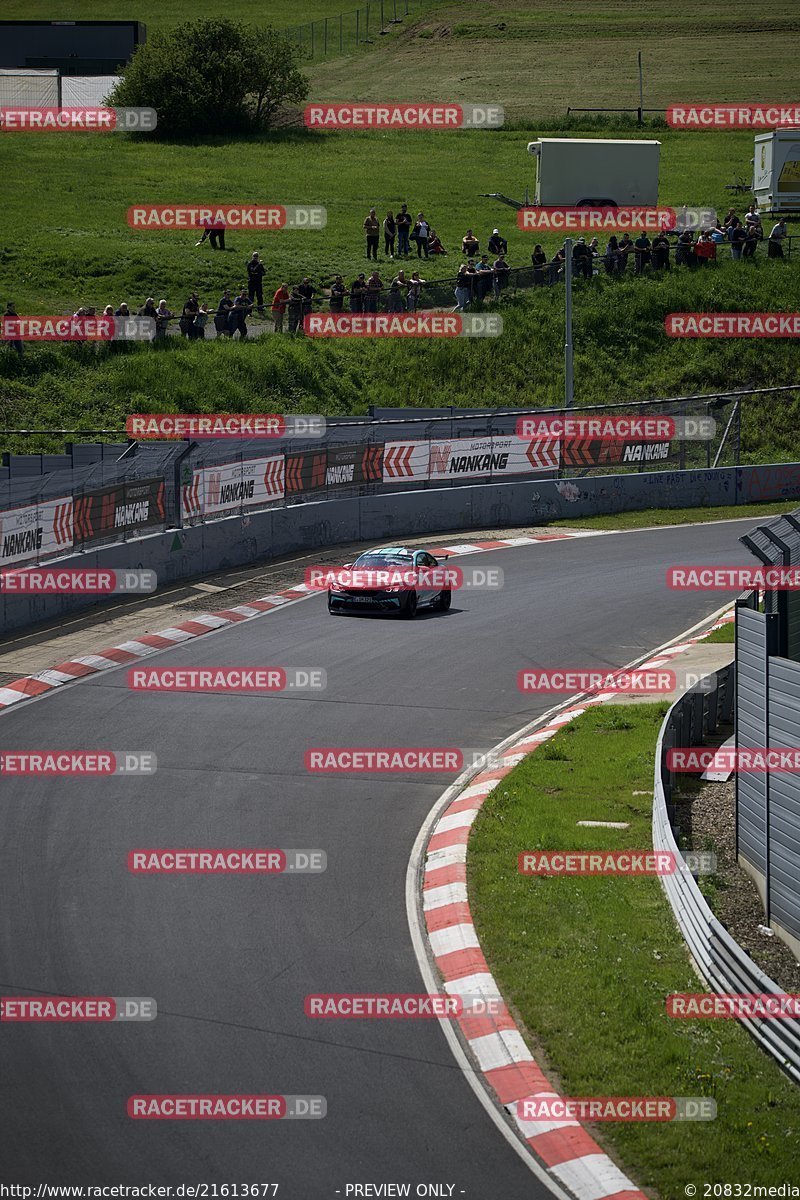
x=345, y=33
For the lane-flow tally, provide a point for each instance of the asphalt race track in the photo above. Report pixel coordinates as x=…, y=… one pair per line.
x=229, y=959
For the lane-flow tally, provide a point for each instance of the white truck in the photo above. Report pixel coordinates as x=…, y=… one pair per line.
x=597, y=171
x=776, y=171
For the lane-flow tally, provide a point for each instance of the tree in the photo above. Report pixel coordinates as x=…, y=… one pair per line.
x=213, y=77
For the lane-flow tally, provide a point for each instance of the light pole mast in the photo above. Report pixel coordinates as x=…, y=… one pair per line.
x=568, y=378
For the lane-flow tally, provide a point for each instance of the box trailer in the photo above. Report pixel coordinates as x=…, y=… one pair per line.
x=575, y=171
x=776, y=171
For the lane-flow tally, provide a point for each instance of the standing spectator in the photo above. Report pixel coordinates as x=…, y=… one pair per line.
x=469, y=244
x=295, y=311
x=482, y=284
x=403, y=223
x=14, y=343
x=729, y=217
x=214, y=230
x=624, y=249
x=374, y=289
x=501, y=273
x=463, y=289
x=420, y=235
x=641, y=253
x=358, y=291
x=497, y=244
x=415, y=286
x=337, y=294
x=777, y=234
x=660, y=252
x=594, y=249
x=279, y=302
x=200, y=322
x=705, y=249
x=389, y=234
x=752, y=217
x=582, y=259
x=221, y=316
x=751, y=241
x=148, y=309
x=539, y=260
x=123, y=310
x=255, y=280
x=239, y=312
x=557, y=263
x=738, y=239
x=108, y=311
x=611, y=256
x=190, y=310
x=684, y=251
x=308, y=292
x=395, y=301
x=372, y=230
x=163, y=318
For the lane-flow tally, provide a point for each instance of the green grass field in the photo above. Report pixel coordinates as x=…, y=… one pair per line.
x=587, y=963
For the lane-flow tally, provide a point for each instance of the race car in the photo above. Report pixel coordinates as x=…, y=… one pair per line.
x=391, y=579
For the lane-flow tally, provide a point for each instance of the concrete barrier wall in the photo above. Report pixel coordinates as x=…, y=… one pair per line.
x=259, y=536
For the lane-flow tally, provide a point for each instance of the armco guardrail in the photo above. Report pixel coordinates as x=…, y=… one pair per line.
x=722, y=963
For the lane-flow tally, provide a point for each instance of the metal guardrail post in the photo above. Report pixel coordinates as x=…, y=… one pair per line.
x=177, y=515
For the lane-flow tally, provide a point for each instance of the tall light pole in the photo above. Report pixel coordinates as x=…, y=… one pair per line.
x=568, y=379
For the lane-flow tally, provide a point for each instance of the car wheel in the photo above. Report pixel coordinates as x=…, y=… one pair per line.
x=445, y=600
x=408, y=606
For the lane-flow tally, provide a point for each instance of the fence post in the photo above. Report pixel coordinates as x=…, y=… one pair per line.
x=366, y=36
x=382, y=29
x=325, y=43
x=312, y=40
x=358, y=17
x=341, y=44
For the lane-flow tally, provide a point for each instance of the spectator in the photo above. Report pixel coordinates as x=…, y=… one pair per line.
x=684, y=251
x=738, y=239
x=625, y=248
x=415, y=286
x=214, y=230
x=497, y=244
x=482, y=284
x=776, y=237
x=557, y=263
x=308, y=292
x=582, y=259
x=752, y=217
x=190, y=311
x=238, y=314
x=469, y=244
x=200, y=322
x=221, y=316
x=729, y=217
x=396, y=300
x=123, y=310
x=435, y=244
x=14, y=343
x=420, y=235
x=374, y=289
x=463, y=289
x=295, y=310
x=611, y=256
x=255, y=280
x=389, y=234
x=720, y=235
x=372, y=230
x=705, y=249
x=358, y=291
x=108, y=311
x=163, y=317
x=660, y=252
x=501, y=272
x=279, y=302
x=641, y=253
x=539, y=260
x=403, y=223
x=594, y=248
x=751, y=241
x=337, y=294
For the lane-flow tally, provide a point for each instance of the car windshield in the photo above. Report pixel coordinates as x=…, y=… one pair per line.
x=399, y=559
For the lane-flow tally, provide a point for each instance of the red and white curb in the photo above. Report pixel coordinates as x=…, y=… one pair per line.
x=31, y=686
x=570, y=1155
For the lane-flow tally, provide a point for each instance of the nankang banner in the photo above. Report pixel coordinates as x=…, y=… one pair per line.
x=231, y=486
x=32, y=533
x=119, y=509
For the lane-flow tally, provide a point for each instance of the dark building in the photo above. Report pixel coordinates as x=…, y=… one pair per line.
x=73, y=47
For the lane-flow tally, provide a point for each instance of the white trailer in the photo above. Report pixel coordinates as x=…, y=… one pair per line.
x=576, y=171
x=776, y=171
